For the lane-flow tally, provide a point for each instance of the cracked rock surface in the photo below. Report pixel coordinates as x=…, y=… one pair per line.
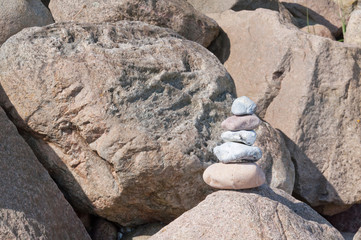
x=124, y=116
x=260, y=213
x=177, y=15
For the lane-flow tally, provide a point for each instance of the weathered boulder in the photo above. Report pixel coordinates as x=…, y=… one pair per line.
x=311, y=92
x=16, y=15
x=353, y=33
x=216, y=6
x=276, y=159
x=178, y=15
x=31, y=205
x=123, y=115
x=323, y=12
x=260, y=213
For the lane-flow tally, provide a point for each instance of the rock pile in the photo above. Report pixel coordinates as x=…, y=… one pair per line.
x=237, y=168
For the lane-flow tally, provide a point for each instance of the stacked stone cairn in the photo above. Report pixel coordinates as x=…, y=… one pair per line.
x=237, y=168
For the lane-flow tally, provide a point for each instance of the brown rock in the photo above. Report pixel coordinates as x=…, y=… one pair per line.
x=245, y=122
x=123, y=115
x=16, y=15
x=323, y=12
x=31, y=205
x=178, y=15
x=260, y=213
x=311, y=93
x=319, y=30
x=234, y=176
x=276, y=159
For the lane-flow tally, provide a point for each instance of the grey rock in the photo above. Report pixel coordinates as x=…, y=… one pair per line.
x=31, y=205
x=237, y=123
x=236, y=152
x=260, y=213
x=123, y=115
x=276, y=161
x=178, y=15
x=246, y=137
x=16, y=15
x=243, y=106
x=304, y=91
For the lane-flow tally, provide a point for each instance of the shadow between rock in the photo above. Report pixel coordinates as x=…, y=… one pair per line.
x=49, y=159
x=311, y=186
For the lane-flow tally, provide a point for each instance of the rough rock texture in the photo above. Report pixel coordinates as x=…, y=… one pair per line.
x=31, y=205
x=319, y=30
x=217, y=6
x=276, y=159
x=309, y=88
x=16, y=15
x=353, y=33
x=124, y=116
x=324, y=12
x=260, y=213
x=175, y=14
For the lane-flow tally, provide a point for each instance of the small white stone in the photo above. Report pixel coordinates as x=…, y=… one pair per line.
x=243, y=106
x=246, y=137
x=236, y=152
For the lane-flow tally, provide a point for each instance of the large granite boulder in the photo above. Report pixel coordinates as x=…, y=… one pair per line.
x=353, y=32
x=31, y=205
x=178, y=15
x=123, y=115
x=16, y=15
x=308, y=87
x=260, y=213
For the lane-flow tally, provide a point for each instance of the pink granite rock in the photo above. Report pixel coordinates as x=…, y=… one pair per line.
x=234, y=176
x=236, y=123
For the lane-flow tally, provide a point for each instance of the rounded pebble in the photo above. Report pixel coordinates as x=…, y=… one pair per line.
x=243, y=136
x=243, y=105
x=231, y=152
x=234, y=176
x=237, y=123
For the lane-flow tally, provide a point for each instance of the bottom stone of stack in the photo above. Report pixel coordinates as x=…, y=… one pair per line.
x=234, y=176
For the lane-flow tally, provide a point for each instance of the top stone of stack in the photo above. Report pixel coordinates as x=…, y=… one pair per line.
x=243, y=106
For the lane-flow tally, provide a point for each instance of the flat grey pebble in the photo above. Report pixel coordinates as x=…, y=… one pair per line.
x=243, y=106
x=230, y=152
x=243, y=136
